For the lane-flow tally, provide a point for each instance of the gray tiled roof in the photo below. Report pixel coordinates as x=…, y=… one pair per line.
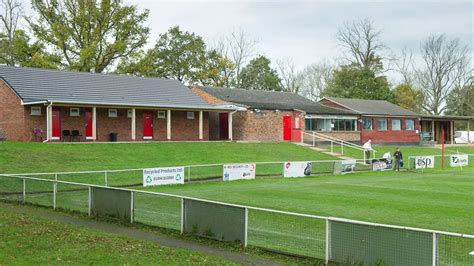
x=33, y=84
x=272, y=100
x=372, y=107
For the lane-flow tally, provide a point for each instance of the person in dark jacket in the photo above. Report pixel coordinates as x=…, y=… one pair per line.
x=398, y=159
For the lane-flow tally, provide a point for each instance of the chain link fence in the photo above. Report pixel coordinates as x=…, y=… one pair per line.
x=325, y=238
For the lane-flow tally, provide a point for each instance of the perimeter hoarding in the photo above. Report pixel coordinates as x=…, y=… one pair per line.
x=163, y=176
x=297, y=169
x=238, y=171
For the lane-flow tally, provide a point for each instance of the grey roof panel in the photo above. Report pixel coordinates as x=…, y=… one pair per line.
x=372, y=107
x=262, y=99
x=34, y=84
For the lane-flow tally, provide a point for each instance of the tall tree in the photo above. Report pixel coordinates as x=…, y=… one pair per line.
x=216, y=69
x=445, y=67
x=291, y=80
x=315, y=78
x=9, y=17
x=362, y=44
x=90, y=35
x=32, y=54
x=355, y=82
x=461, y=100
x=259, y=75
x=408, y=97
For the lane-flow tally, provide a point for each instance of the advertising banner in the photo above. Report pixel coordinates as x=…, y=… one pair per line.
x=297, y=169
x=424, y=162
x=459, y=160
x=344, y=167
x=239, y=171
x=382, y=164
x=163, y=176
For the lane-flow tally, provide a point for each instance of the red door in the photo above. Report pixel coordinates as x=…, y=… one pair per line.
x=297, y=129
x=224, y=125
x=56, y=122
x=287, y=128
x=147, y=125
x=88, y=124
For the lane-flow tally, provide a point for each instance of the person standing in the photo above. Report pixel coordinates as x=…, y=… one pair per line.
x=367, y=149
x=398, y=159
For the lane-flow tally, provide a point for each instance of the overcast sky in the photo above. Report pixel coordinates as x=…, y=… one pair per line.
x=305, y=30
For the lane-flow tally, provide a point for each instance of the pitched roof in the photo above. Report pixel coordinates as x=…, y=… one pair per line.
x=273, y=100
x=372, y=107
x=35, y=85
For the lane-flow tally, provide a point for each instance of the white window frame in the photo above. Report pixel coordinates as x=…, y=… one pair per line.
x=371, y=124
x=378, y=124
x=35, y=110
x=111, y=111
x=399, y=125
x=190, y=115
x=74, y=112
x=406, y=128
x=161, y=114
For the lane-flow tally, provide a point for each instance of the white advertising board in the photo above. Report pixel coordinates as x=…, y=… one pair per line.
x=163, y=176
x=424, y=162
x=459, y=160
x=238, y=171
x=297, y=169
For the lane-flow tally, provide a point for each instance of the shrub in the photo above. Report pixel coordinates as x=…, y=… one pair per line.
x=3, y=135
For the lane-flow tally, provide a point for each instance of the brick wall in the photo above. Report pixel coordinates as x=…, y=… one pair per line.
x=207, y=97
x=389, y=136
x=352, y=136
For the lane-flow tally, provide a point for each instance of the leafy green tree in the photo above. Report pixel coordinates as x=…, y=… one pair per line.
x=259, y=75
x=408, y=97
x=461, y=101
x=356, y=82
x=90, y=35
x=217, y=70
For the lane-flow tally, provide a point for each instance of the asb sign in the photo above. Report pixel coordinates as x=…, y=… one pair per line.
x=163, y=176
x=424, y=162
x=459, y=160
x=238, y=171
x=297, y=169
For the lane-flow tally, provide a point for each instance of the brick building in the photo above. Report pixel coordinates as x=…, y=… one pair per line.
x=260, y=115
x=50, y=105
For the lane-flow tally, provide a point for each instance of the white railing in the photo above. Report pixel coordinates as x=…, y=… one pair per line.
x=334, y=141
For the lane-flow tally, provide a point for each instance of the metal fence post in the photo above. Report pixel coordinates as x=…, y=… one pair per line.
x=435, y=249
x=246, y=226
x=342, y=148
x=327, y=242
x=332, y=147
x=189, y=173
x=314, y=141
x=55, y=190
x=24, y=190
x=106, y=179
x=56, y=177
x=90, y=201
x=182, y=215
x=132, y=207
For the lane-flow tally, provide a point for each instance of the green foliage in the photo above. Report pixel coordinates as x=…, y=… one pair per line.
x=408, y=97
x=356, y=82
x=90, y=35
x=259, y=75
x=461, y=101
x=21, y=52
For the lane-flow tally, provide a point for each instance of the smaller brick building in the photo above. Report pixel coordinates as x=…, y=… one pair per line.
x=50, y=105
x=260, y=115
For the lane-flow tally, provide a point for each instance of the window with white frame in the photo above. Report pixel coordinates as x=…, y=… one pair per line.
x=382, y=124
x=162, y=114
x=409, y=124
x=367, y=124
x=129, y=113
x=190, y=115
x=396, y=124
x=113, y=113
x=35, y=110
x=74, y=112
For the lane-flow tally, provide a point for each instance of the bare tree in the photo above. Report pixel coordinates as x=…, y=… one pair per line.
x=12, y=11
x=405, y=66
x=446, y=66
x=291, y=80
x=314, y=79
x=362, y=43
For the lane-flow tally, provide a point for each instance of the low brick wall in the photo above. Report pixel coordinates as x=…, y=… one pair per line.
x=352, y=136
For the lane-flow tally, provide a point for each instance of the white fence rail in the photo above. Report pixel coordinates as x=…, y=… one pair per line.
x=326, y=238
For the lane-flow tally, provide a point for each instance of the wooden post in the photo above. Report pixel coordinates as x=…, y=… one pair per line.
x=452, y=131
x=433, y=130
x=468, y=132
x=442, y=148
x=134, y=125
x=168, y=124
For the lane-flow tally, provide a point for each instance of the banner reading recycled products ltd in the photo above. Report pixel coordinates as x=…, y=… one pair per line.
x=163, y=176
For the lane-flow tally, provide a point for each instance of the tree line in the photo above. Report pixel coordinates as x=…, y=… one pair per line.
x=110, y=36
